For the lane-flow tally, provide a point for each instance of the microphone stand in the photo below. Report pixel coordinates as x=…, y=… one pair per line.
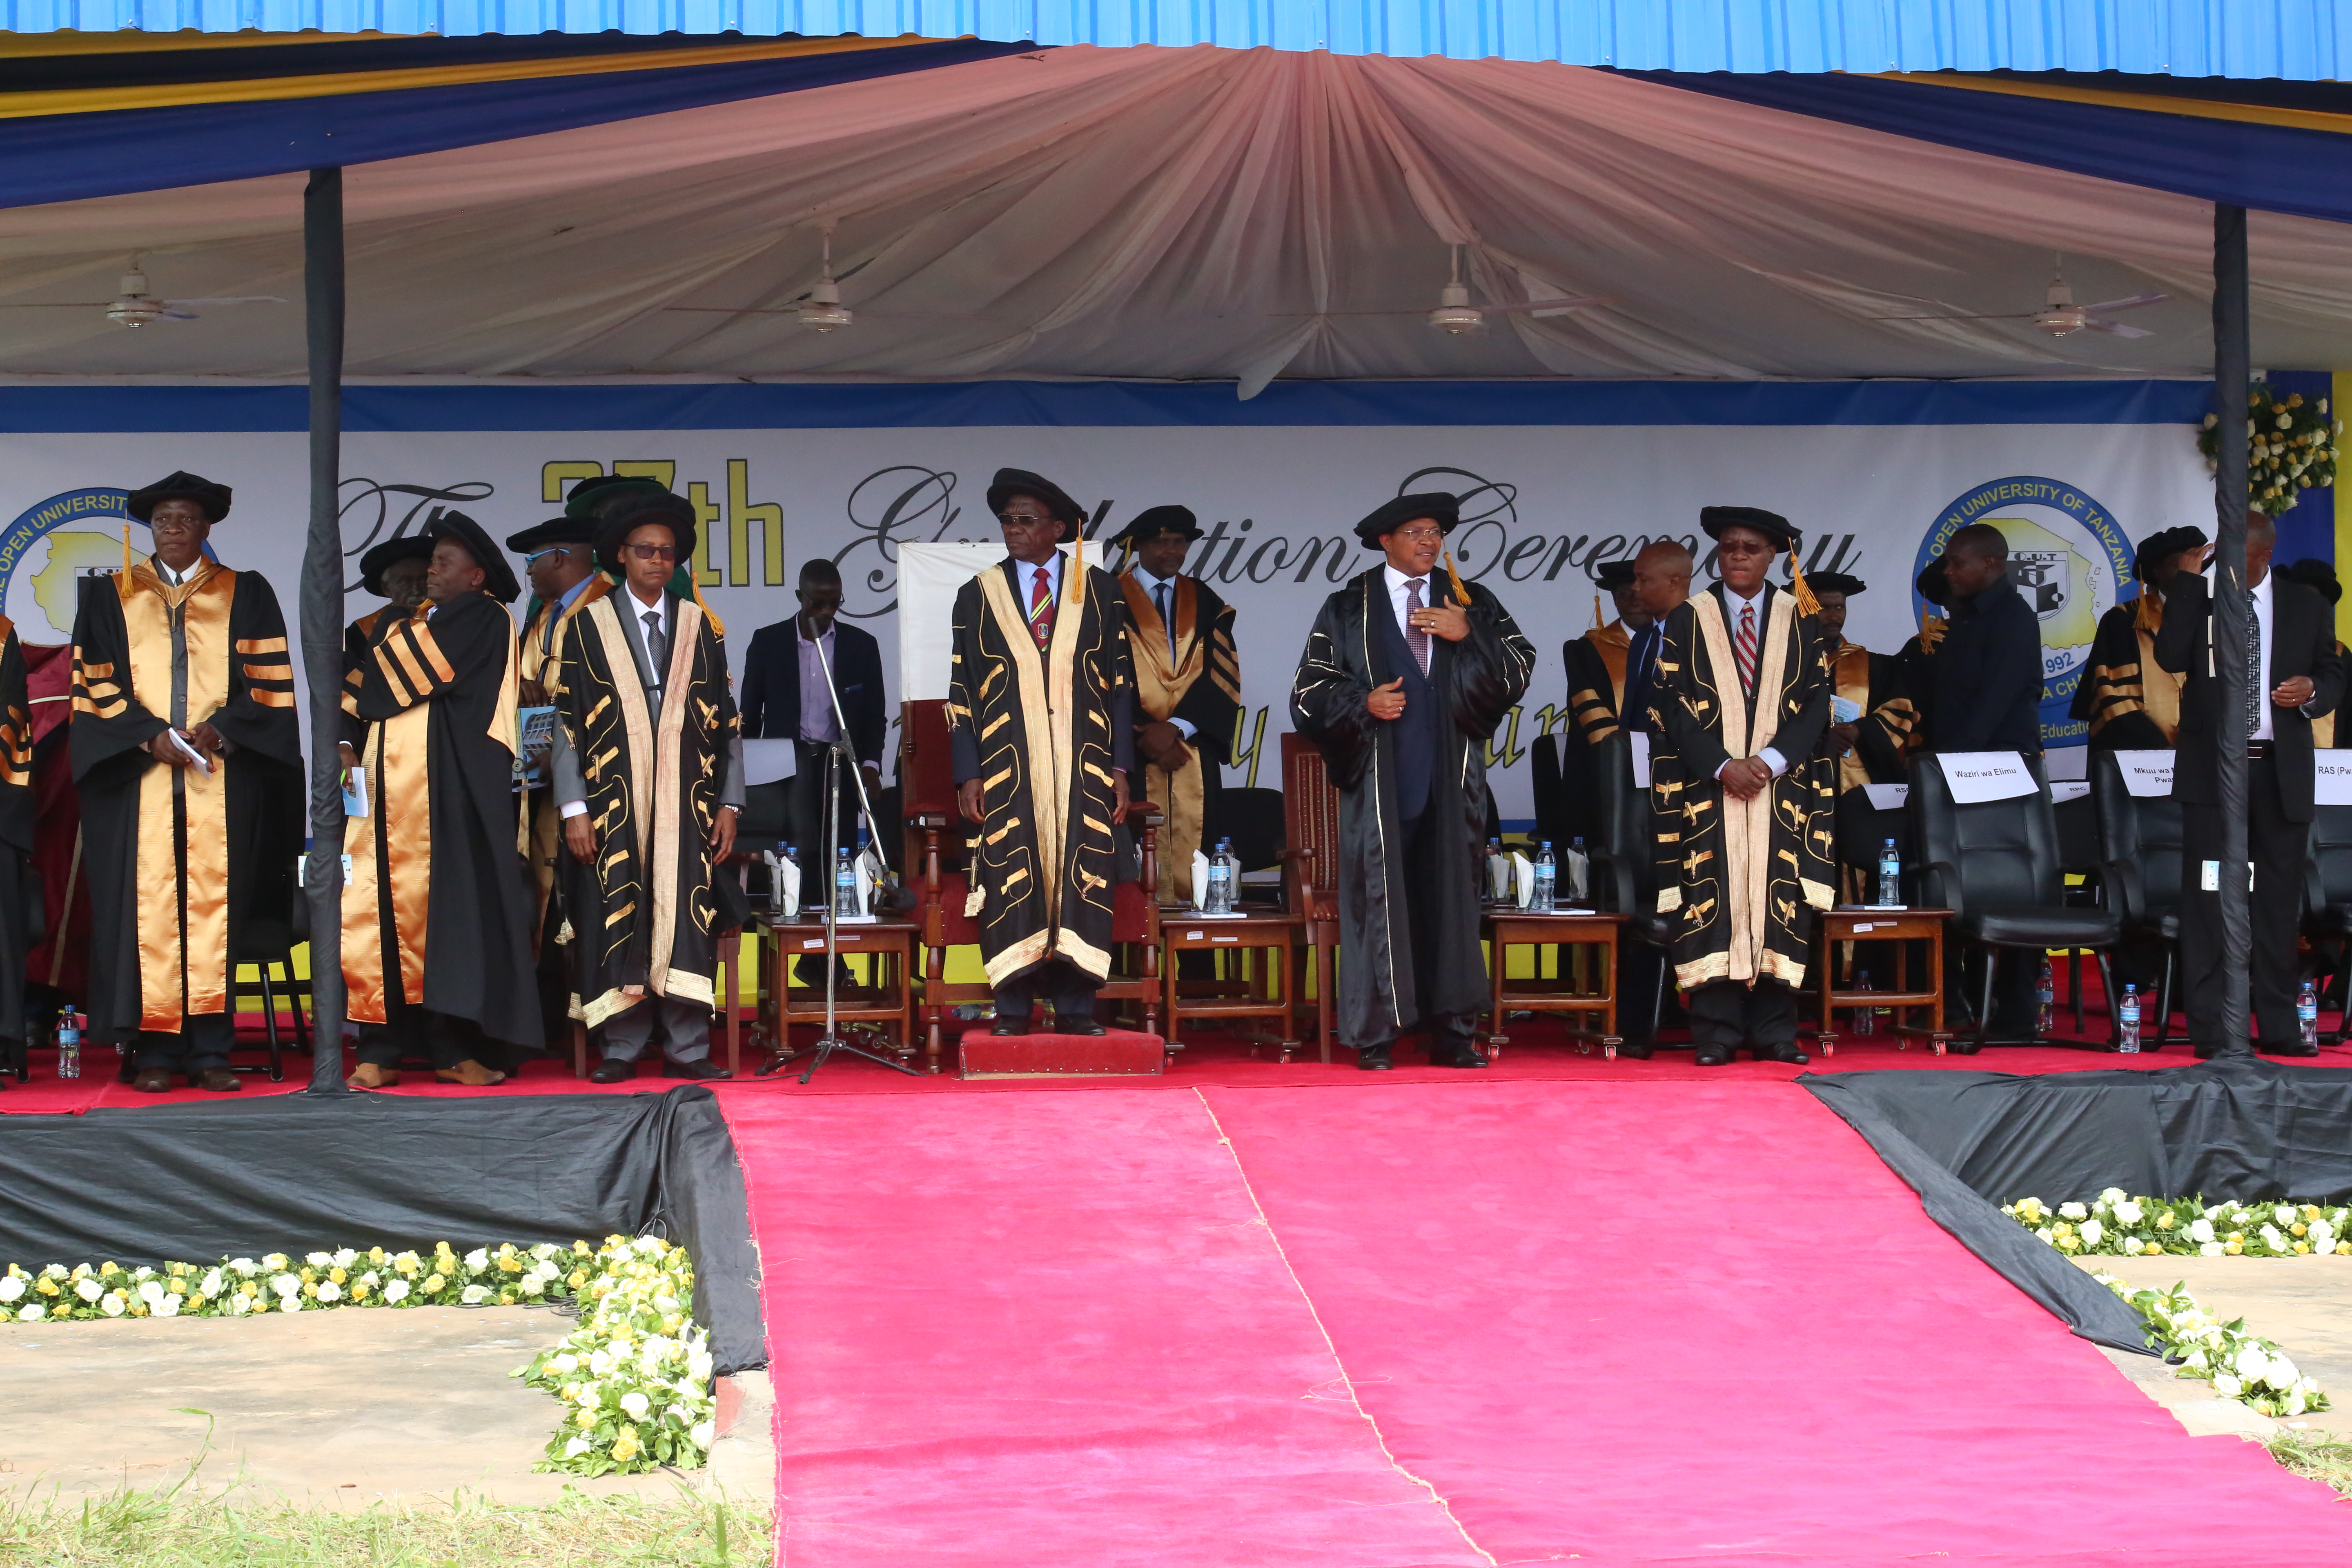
x=831, y=1041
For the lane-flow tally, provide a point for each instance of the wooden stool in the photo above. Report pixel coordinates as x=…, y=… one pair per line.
x=1265, y=995
x=1850, y=924
x=890, y=942
x=1507, y=929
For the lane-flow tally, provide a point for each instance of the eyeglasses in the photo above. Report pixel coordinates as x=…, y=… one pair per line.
x=651, y=552
x=532, y=559
x=1419, y=535
x=1030, y=519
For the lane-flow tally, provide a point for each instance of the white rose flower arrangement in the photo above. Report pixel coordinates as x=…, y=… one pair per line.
x=645, y=1400
x=636, y=1376
x=2241, y=1366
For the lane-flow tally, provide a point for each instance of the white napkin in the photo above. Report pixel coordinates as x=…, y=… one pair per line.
x=1523, y=872
x=1200, y=879
x=1498, y=875
x=865, y=884
x=788, y=877
x=1573, y=869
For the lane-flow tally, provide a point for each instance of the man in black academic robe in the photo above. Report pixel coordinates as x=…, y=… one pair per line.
x=1188, y=684
x=1041, y=731
x=2129, y=701
x=648, y=778
x=1406, y=676
x=2293, y=674
x=1741, y=793
x=179, y=660
x=394, y=570
x=437, y=912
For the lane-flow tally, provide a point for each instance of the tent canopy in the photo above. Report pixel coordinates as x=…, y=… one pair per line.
x=1183, y=214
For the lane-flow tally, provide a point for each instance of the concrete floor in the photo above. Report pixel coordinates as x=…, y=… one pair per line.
x=342, y=1406
x=2301, y=1304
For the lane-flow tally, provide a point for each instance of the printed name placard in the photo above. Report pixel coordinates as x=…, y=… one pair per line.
x=1887, y=798
x=2331, y=778
x=1978, y=776
x=2063, y=790
x=2148, y=775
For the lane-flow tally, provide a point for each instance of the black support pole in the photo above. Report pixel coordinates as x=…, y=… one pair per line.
x=322, y=617
x=2232, y=608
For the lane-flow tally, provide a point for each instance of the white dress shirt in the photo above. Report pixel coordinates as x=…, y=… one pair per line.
x=1397, y=582
x=2265, y=729
x=171, y=579
x=1151, y=587
x=1026, y=574
x=1732, y=604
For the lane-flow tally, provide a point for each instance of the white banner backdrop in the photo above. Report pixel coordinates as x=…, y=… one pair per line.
x=1543, y=506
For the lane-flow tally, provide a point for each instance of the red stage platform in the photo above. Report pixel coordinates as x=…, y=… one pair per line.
x=1114, y=1053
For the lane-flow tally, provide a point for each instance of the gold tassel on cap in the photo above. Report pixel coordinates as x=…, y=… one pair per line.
x=2148, y=616
x=122, y=582
x=1597, y=621
x=1806, y=604
x=1461, y=593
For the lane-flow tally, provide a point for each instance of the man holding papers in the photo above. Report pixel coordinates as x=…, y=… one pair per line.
x=189, y=764
x=2296, y=675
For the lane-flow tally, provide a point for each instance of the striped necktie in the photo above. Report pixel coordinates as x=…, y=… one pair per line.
x=1041, y=609
x=1744, y=649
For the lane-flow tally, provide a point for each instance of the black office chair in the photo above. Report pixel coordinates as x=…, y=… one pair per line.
x=1550, y=793
x=1252, y=818
x=2328, y=899
x=1622, y=874
x=1995, y=864
x=2078, y=856
x=2139, y=872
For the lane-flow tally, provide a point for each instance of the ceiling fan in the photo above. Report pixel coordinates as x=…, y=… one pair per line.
x=135, y=307
x=1455, y=314
x=2060, y=316
x=820, y=309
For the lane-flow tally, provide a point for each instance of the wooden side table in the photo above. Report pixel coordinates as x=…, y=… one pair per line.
x=1268, y=935
x=1507, y=929
x=889, y=999
x=1906, y=926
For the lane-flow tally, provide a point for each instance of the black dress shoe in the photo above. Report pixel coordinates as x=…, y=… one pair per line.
x=153, y=1080
x=1374, y=1059
x=2207, y=1053
x=1640, y=1050
x=1456, y=1054
x=1078, y=1026
x=2288, y=1048
x=1713, y=1057
x=1003, y=1024
x=704, y=1070
x=1793, y=1055
x=612, y=1069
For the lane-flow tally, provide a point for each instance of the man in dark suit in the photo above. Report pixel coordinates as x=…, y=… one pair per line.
x=1987, y=677
x=785, y=697
x=2295, y=676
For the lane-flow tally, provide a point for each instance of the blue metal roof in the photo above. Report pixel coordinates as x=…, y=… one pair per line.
x=2296, y=39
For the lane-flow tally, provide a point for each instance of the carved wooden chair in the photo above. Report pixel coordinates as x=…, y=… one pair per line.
x=1310, y=870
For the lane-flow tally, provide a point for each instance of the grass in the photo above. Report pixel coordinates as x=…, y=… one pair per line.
x=184, y=1526
x=2323, y=1456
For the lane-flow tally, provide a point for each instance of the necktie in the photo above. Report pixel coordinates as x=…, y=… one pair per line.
x=1745, y=650
x=1159, y=598
x=2253, y=669
x=656, y=647
x=1040, y=610
x=1415, y=637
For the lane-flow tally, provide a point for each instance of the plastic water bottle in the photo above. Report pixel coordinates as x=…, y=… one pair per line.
x=845, y=886
x=2045, y=997
x=1547, y=879
x=1220, y=901
x=1890, y=877
x=2306, y=1015
x=1866, y=1019
x=70, y=1042
x=2127, y=1020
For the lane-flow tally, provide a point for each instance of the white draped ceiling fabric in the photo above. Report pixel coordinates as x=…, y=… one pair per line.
x=1178, y=214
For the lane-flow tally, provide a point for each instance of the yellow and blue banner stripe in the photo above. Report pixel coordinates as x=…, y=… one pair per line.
x=88, y=115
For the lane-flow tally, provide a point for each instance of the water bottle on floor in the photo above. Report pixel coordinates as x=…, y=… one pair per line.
x=1866, y=1019
x=1547, y=879
x=1890, y=877
x=2045, y=998
x=2306, y=1015
x=845, y=887
x=70, y=1042
x=2127, y=1020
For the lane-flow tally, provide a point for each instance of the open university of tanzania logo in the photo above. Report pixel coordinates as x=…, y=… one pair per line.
x=51, y=545
x=2067, y=558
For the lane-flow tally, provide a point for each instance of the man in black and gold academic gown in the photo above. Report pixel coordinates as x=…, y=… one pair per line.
x=1741, y=796
x=1188, y=683
x=1869, y=735
x=436, y=914
x=180, y=660
x=1406, y=676
x=1041, y=727
x=2130, y=702
x=560, y=562
x=393, y=570
x=648, y=778
x=1596, y=662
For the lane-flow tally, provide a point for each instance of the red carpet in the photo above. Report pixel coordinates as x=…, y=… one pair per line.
x=1627, y=1323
